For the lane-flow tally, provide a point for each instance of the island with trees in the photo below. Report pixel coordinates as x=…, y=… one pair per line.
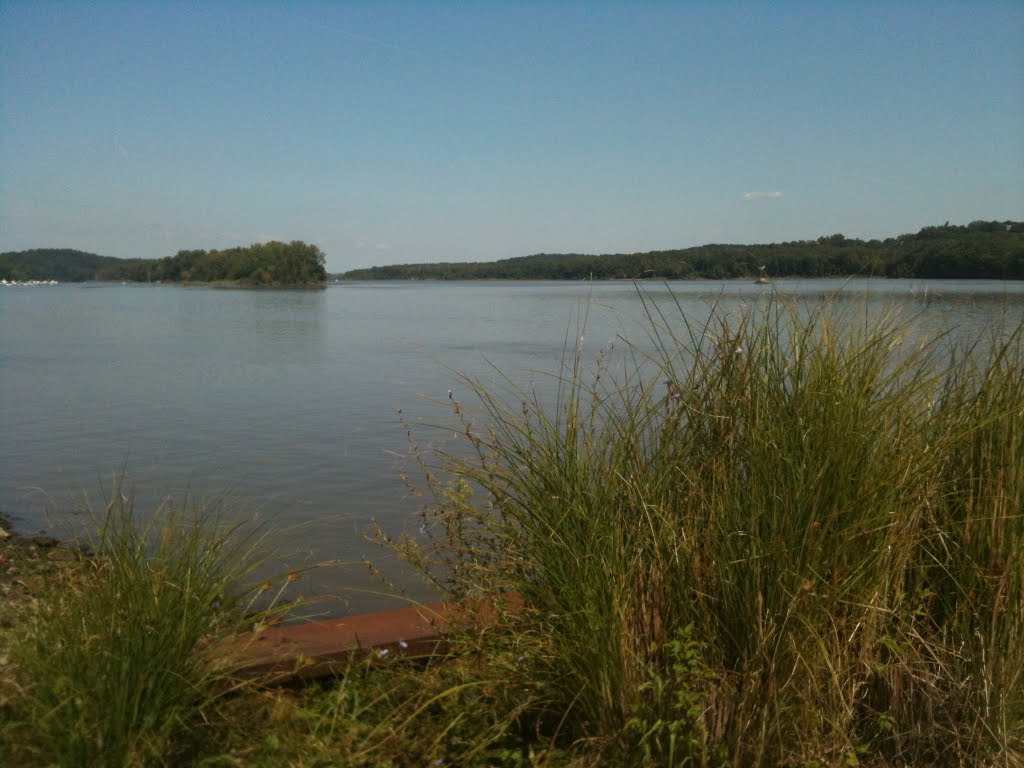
x=270, y=264
x=981, y=249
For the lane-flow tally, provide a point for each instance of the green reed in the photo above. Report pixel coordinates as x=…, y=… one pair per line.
x=121, y=657
x=786, y=535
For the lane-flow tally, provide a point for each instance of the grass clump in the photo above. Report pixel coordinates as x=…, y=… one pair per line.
x=119, y=660
x=786, y=536
x=451, y=711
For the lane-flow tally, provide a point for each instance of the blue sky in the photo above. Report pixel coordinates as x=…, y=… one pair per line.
x=404, y=132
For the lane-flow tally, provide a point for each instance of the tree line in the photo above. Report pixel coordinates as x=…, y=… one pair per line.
x=271, y=263
x=981, y=249
x=64, y=264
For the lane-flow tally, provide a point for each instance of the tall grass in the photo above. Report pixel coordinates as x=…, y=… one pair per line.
x=788, y=536
x=121, y=657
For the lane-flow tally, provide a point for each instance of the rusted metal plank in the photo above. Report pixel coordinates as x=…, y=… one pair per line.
x=290, y=653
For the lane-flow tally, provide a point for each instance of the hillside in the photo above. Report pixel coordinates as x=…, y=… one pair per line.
x=64, y=264
x=981, y=249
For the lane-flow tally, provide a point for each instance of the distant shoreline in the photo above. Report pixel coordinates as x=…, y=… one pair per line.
x=979, y=250
x=222, y=284
x=740, y=280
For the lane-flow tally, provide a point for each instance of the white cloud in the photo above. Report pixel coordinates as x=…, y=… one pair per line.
x=381, y=246
x=761, y=195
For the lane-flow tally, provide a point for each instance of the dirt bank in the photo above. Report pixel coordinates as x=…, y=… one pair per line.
x=28, y=566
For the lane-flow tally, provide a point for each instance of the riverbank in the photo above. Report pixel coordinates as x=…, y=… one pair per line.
x=83, y=641
x=27, y=563
x=32, y=567
x=29, y=567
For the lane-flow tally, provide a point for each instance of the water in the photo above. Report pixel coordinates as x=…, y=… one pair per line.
x=287, y=400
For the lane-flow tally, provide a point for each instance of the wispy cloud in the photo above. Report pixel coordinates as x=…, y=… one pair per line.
x=361, y=38
x=762, y=195
x=380, y=246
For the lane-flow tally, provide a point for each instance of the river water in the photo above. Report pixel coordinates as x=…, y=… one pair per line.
x=287, y=401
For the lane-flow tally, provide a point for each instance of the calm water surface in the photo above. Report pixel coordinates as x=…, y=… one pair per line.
x=288, y=400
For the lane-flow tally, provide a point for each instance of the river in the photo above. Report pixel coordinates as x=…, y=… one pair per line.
x=286, y=402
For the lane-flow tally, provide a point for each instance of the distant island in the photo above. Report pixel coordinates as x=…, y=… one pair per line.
x=981, y=249
x=271, y=264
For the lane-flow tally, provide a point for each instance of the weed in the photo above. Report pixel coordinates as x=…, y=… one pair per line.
x=120, y=659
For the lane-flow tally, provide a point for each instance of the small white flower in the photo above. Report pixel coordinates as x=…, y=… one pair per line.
x=402, y=644
x=382, y=653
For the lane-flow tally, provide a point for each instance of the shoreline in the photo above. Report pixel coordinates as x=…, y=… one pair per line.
x=276, y=655
x=26, y=559
x=28, y=564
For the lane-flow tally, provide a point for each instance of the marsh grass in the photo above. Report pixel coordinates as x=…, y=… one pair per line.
x=119, y=661
x=790, y=535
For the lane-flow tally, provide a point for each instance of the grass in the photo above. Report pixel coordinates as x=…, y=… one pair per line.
x=117, y=662
x=784, y=536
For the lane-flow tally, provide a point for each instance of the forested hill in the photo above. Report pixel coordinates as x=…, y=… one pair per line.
x=64, y=264
x=271, y=263
x=981, y=249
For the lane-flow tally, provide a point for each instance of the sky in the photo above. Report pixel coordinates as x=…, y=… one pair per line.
x=407, y=132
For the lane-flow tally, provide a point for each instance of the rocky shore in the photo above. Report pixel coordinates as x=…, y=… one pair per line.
x=28, y=566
